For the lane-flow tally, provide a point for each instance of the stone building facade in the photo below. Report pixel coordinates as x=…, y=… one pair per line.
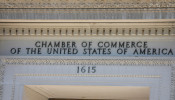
x=87, y=49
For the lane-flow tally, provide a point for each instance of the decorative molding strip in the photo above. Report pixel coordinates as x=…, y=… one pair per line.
x=88, y=28
x=90, y=75
x=123, y=62
x=87, y=4
x=166, y=31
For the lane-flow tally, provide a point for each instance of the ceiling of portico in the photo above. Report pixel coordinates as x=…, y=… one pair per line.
x=92, y=92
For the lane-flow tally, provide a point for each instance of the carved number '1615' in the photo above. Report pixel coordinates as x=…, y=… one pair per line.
x=86, y=69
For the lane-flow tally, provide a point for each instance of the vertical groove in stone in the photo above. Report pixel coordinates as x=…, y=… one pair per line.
x=2, y=69
x=172, y=93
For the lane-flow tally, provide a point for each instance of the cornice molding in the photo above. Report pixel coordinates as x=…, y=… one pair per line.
x=164, y=31
x=88, y=28
x=87, y=4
